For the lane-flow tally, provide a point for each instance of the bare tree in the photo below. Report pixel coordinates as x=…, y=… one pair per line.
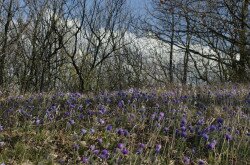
x=7, y=11
x=99, y=34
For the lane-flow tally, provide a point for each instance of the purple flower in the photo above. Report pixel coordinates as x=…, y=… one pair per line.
x=139, y=150
x=72, y=122
x=205, y=136
x=76, y=146
x=183, y=128
x=161, y=116
x=101, y=121
x=158, y=148
x=212, y=128
x=132, y=117
x=109, y=128
x=206, y=130
x=191, y=129
x=228, y=137
x=158, y=125
x=92, y=147
x=100, y=140
x=66, y=113
x=212, y=144
x=126, y=133
x=83, y=131
x=183, y=134
x=201, y=121
x=92, y=131
x=96, y=152
x=186, y=160
x=201, y=162
x=220, y=120
x=183, y=121
x=153, y=116
x=80, y=107
x=104, y=154
x=81, y=116
x=85, y=160
x=121, y=104
x=120, y=132
x=141, y=145
x=125, y=151
x=102, y=110
x=38, y=121
x=88, y=102
x=166, y=129
x=120, y=146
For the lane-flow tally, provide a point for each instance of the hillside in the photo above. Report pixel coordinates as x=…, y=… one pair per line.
x=201, y=125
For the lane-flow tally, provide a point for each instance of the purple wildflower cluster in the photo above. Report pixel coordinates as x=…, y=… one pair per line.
x=133, y=126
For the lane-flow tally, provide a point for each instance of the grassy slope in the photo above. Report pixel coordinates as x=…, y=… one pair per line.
x=47, y=128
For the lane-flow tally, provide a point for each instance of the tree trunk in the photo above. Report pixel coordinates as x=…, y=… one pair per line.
x=241, y=68
x=171, y=51
x=186, y=57
x=5, y=41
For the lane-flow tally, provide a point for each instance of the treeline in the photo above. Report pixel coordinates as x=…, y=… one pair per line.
x=92, y=45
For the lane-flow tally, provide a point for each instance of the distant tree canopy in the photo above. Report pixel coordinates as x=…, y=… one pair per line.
x=92, y=45
x=221, y=26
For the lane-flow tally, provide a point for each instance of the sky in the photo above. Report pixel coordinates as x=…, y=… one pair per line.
x=138, y=6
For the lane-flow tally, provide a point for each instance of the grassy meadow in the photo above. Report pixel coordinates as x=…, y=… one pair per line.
x=174, y=126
